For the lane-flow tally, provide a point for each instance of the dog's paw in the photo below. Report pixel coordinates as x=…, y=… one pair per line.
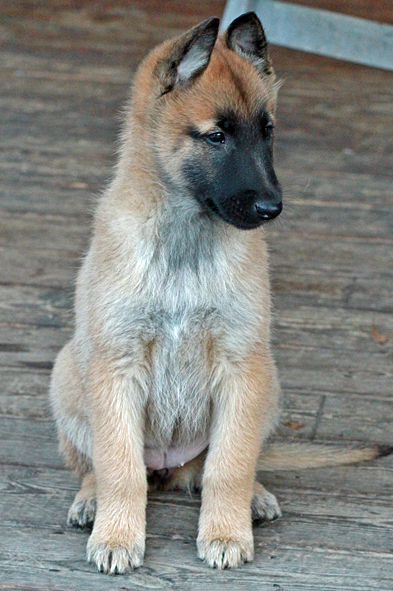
x=82, y=513
x=225, y=553
x=115, y=559
x=265, y=507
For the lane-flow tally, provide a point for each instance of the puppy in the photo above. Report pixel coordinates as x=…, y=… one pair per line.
x=170, y=368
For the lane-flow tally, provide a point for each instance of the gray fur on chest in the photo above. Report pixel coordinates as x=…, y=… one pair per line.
x=186, y=309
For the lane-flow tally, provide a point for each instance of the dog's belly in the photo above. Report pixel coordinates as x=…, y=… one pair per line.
x=178, y=409
x=173, y=457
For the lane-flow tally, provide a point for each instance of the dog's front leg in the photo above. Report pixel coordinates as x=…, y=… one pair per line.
x=240, y=409
x=117, y=542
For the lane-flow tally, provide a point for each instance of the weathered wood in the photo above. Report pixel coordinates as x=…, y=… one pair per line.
x=24, y=393
x=332, y=371
x=370, y=420
x=32, y=498
x=65, y=193
x=65, y=73
x=52, y=557
x=31, y=347
x=39, y=267
x=33, y=230
x=30, y=442
x=35, y=306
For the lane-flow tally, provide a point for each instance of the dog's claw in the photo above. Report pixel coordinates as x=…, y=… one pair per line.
x=115, y=559
x=222, y=554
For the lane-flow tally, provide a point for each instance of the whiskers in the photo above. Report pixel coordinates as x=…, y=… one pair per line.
x=293, y=191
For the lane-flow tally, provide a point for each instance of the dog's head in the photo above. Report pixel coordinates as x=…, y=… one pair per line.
x=207, y=105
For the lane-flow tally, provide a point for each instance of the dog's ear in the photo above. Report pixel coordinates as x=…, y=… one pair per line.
x=246, y=37
x=189, y=57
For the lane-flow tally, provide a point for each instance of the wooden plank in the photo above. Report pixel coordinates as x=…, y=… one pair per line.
x=370, y=482
x=121, y=31
x=371, y=479
x=31, y=347
x=176, y=516
x=302, y=367
x=32, y=230
x=67, y=168
x=16, y=434
x=49, y=196
x=34, y=505
x=41, y=498
x=329, y=253
x=339, y=220
x=65, y=72
x=24, y=393
x=55, y=231
x=51, y=557
x=368, y=292
x=36, y=306
x=345, y=190
x=62, y=194
x=310, y=369
x=39, y=267
x=301, y=273
x=29, y=442
x=334, y=328
x=370, y=420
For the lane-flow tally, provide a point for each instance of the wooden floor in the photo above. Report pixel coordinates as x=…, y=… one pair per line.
x=65, y=72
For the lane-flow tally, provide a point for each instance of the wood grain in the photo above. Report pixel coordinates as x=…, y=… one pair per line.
x=65, y=74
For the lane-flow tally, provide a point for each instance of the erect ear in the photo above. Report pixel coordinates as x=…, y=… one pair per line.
x=246, y=37
x=189, y=56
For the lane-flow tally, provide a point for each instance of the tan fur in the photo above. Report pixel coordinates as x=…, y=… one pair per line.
x=290, y=456
x=118, y=385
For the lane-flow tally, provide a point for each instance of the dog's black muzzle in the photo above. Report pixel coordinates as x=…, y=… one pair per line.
x=249, y=208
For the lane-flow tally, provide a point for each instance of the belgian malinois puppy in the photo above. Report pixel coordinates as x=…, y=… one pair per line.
x=170, y=370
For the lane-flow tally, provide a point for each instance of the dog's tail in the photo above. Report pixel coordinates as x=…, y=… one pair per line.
x=299, y=456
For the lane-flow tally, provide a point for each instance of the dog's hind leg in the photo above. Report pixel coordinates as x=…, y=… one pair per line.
x=68, y=403
x=74, y=459
x=83, y=510
x=187, y=478
x=264, y=505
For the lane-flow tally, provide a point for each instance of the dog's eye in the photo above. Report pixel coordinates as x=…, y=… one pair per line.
x=217, y=137
x=268, y=130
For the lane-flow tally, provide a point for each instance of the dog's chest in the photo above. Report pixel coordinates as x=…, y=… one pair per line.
x=188, y=316
x=188, y=293
x=183, y=352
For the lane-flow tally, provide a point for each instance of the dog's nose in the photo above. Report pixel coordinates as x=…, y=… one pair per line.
x=268, y=211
